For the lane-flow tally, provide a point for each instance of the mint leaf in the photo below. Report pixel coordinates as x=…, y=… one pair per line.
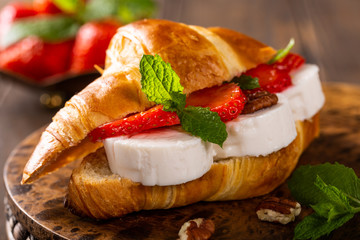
x=246, y=82
x=282, y=52
x=203, y=123
x=315, y=226
x=161, y=84
x=302, y=187
x=48, y=28
x=323, y=209
x=340, y=203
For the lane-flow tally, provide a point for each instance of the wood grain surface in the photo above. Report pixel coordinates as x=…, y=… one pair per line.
x=327, y=33
x=39, y=206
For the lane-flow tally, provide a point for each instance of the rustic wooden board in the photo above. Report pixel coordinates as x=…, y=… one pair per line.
x=39, y=206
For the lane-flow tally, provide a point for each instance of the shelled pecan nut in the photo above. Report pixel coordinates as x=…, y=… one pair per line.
x=259, y=100
x=274, y=209
x=197, y=229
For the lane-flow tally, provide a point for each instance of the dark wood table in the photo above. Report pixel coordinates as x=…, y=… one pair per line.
x=327, y=32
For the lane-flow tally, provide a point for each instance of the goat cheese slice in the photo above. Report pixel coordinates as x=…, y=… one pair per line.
x=305, y=96
x=260, y=133
x=165, y=156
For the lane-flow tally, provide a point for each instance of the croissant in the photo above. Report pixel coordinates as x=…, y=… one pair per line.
x=201, y=57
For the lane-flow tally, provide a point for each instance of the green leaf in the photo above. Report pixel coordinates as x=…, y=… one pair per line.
x=48, y=28
x=131, y=10
x=332, y=190
x=302, y=187
x=282, y=52
x=203, y=123
x=246, y=82
x=339, y=201
x=69, y=6
x=315, y=226
x=323, y=209
x=161, y=84
x=125, y=10
x=99, y=9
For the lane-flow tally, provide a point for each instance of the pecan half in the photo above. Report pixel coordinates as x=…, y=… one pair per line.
x=274, y=209
x=259, y=100
x=197, y=229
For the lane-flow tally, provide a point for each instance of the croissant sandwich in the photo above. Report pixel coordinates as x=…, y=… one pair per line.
x=181, y=114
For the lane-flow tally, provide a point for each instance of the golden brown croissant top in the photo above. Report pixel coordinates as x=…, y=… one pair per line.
x=202, y=57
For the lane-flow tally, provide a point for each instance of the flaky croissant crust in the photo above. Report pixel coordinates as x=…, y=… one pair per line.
x=201, y=57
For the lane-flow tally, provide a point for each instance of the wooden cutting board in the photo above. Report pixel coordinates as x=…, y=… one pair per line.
x=39, y=206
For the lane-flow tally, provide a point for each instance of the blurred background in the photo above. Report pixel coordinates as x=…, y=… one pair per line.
x=327, y=32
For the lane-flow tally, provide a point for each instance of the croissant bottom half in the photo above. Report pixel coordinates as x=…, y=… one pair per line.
x=94, y=191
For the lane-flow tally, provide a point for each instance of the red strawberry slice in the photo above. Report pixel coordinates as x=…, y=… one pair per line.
x=275, y=77
x=34, y=59
x=271, y=79
x=91, y=43
x=153, y=118
x=227, y=100
x=290, y=62
x=45, y=6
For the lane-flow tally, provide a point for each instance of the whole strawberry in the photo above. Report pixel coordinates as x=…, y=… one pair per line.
x=48, y=28
x=16, y=10
x=91, y=43
x=11, y=12
x=35, y=59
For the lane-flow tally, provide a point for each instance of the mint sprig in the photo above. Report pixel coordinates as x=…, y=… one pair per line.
x=246, y=82
x=162, y=85
x=48, y=28
x=282, y=52
x=332, y=190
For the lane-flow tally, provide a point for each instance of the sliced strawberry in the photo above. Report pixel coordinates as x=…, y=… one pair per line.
x=45, y=6
x=34, y=59
x=91, y=43
x=271, y=79
x=153, y=118
x=290, y=62
x=227, y=100
x=275, y=77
